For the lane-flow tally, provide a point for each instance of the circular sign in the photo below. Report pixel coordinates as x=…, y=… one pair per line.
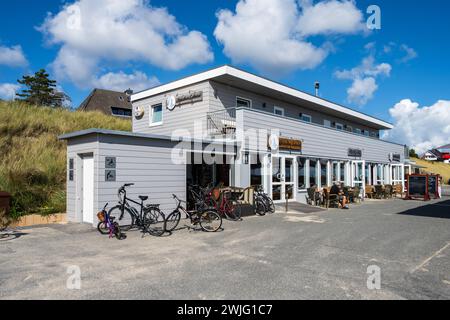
x=274, y=142
x=139, y=112
x=171, y=103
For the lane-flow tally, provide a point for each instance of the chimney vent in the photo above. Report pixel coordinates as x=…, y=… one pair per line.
x=317, y=87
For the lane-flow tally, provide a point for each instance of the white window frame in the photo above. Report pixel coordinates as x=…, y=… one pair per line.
x=327, y=123
x=276, y=108
x=307, y=116
x=152, y=110
x=339, y=125
x=349, y=128
x=245, y=99
x=358, y=131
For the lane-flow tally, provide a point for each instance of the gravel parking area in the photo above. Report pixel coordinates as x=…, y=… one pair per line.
x=321, y=255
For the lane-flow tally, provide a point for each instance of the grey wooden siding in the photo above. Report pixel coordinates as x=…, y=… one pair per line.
x=75, y=148
x=182, y=117
x=223, y=96
x=146, y=163
x=319, y=141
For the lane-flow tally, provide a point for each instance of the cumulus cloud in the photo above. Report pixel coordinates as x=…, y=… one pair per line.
x=421, y=128
x=104, y=32
x=12, y=56
x=8, y=91
x=272, y=35
x=121, y=81
x=363, y=78
x=410, y=53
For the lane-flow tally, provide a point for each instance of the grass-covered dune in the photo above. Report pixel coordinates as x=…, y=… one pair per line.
x=33, y=160
x=435, y=167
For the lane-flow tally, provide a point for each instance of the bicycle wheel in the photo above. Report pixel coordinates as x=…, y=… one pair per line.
x=172, y=221
x=232, y=212
x=125, y=219
x=154, y=222
x=210, y=221
x=103, y=228
x=260, y=207
x=269, y=204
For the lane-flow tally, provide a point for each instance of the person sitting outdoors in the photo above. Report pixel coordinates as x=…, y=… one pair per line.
x=339, y=192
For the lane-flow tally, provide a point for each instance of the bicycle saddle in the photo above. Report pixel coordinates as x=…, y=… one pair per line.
x=143, y=198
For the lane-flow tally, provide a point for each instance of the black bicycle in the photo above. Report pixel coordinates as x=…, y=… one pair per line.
x=149, y=219
x=263, y=203
x=208, y=220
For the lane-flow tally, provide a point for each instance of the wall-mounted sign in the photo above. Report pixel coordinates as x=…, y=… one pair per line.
x=274, y=142
x=356, y=153
x=110, y=162
x=191, y=97
x=282, y=143
x=395, y=157
x=139, y=112
x=110, y=175
x=171, y=102
x=71, y=169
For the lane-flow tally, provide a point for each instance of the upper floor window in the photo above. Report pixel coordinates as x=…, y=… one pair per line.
x=121, y=112
x=278, y=111
x=156, y=115
x=366, y=133
x=305, y=117
x=243, y=103
x=357, y=131
x=327, y=123
x=339, y=126
x=349, y=128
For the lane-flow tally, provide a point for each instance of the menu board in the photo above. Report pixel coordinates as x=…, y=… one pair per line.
x=432, y=185
x=417, y=186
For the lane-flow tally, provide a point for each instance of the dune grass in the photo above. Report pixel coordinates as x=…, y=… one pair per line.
x=435, y=167
x=33, y=160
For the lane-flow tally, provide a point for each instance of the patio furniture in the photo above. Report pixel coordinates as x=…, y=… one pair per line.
x=397, y=190
x=370, y=192
x=388, y=190
x=356, y=195
x=311, y=197
x=330, y=199
x=379, y=192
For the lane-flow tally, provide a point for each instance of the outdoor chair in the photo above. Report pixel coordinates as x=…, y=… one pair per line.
x=311, y=197
x=388, y=191
x=379, y=192
x=356, y=195
x=369, y=192
x=330, y=199
x=397, y=190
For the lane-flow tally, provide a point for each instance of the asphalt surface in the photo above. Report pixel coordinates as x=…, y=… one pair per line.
x=321, y=255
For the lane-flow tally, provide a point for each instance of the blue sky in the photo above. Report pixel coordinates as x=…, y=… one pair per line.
x=421, y=28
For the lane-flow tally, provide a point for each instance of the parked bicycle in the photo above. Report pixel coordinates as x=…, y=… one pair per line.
x=149, y=218
x=208, y=220
x=263, y=203
x=108, y=226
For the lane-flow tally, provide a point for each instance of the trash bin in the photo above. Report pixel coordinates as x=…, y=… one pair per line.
x=5, y=199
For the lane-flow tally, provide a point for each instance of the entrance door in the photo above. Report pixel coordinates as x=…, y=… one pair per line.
x=283, y=178
x=88, y=189
x=358, y=176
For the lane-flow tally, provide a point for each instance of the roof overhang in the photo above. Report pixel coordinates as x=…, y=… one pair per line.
x=247, y=81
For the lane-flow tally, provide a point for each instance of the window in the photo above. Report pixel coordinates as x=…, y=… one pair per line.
x=241, y=102
x=349, y=128
x=323, y=173
x=121, y=112
x=312, y=173
x=366, y=133
x=357, y=131
x=156, y=115
x=305, y=117
x=256, y=171
x=327, y=123
x=339, y=126
x=278, y=111
x=373, y=134
x=336, y=174
x=301, y=173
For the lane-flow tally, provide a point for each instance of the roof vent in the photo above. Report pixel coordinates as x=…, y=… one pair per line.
x=317, y=87
x=128, y=92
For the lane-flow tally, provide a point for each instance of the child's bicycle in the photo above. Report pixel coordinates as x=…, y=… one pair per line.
x=107, y=225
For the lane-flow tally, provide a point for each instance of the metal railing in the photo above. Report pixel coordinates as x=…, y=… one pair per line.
x=222, y=122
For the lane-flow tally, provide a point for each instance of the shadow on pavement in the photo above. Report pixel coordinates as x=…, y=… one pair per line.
x=11, y=235
x=435, y=210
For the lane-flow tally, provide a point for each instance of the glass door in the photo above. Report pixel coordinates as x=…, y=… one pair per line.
x=358, y=175
x=283, y=178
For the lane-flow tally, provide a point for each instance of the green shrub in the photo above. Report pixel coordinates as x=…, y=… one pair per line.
x=33, y=160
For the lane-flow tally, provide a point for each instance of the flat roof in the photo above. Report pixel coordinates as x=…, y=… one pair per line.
x=229, y=74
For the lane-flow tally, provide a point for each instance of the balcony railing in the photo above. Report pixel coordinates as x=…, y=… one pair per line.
x=222, y=122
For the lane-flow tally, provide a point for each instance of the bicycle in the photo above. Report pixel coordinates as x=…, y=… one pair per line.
x=223, y=205
x=149, y=219
x=209, y=220
x=107, y=225
x=263, y=203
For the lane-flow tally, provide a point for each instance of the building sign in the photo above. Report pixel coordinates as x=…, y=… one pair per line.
x=356, y=153
x=110, y=169
x=395, y=157
x=281, y=143
x=191, y=97
x=71, y=169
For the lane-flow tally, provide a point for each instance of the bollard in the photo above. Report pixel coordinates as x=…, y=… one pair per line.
x=287, y=202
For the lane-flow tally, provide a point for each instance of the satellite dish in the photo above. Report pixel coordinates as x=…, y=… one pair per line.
x=139, y=112
x=171, y=103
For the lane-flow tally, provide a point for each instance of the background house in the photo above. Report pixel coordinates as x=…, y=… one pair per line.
x=441, y=154
x=108, y=102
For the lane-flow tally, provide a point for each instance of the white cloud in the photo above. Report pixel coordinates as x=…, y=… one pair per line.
x=272, y=35
x=410, y=53
x=330, y=17
x=363, y=78
x=106, y=32
x=121, y=81
x=8, y=91
x=12, y=56
x=421, y=128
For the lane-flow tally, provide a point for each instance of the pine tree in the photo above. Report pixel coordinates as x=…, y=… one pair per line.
x=42, y=91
